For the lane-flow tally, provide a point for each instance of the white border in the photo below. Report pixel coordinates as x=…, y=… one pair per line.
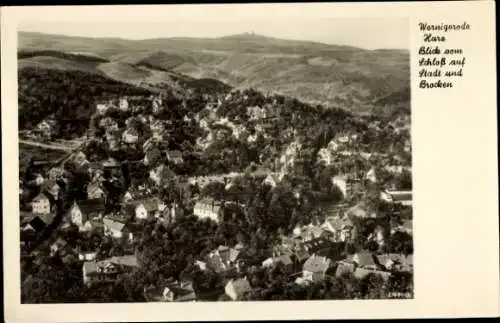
x=455, y=173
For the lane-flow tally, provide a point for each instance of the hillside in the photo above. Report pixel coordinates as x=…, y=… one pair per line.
x=68, y=94
x=351, y=78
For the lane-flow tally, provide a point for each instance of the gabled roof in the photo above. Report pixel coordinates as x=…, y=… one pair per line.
x=174, y=154
x=361, y=273
x=400, y=195
x=240, y=286
x=360, y=210
x=110, y=162
x=41, y=221
x=91, y=206
x=42, y=196
x=317, y=264
x=316, y=244
x=284, y=259
x=49, y=184
x=125, y=261
x=365, y=258
x=150, y=204
x=114, y=225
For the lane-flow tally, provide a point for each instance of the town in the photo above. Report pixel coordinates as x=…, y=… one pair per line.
x=227, y=196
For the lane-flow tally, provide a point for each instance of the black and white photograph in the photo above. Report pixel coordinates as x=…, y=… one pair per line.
x=249, y=160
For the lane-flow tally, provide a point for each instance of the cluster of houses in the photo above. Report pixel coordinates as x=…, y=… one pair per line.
x=309, y=251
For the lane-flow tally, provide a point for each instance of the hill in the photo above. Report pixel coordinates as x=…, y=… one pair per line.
x=348, y=77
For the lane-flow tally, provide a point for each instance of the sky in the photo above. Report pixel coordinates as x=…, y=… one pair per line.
x=369, y=33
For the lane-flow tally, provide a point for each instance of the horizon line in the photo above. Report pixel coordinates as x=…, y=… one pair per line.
x=215, y=37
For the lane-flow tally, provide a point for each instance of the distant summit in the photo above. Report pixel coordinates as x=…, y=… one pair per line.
x=247, y=35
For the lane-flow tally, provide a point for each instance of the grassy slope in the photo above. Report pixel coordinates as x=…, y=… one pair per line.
x=348, y=77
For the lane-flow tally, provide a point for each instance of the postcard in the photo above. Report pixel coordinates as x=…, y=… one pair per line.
x=250, y=161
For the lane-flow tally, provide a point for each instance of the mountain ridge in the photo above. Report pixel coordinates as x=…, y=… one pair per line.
x=333, y=75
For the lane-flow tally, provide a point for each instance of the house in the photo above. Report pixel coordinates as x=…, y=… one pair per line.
x=149, y=144
x=82, y=211
x=344, y=267
x=314, y=245
x=361, y=210
x=157, y=127
x=237, y=288
x=161, y=174
x=55, y=173
x=157, y=104
x=325, y=155
x=111, y=163
x=361, y=273
x=123, y=104
x=108, y=270
x=174, y=156
x=46, y=128
x=256, y=113
x=406, y=226
x=223, y=258
x=42, y=203
x=407, y=146
x=148, y=208
x=39, y=179
x=403, y=197
x=87, y=255
x=80, y=160
x=315, y=268
x=40, y=222
x=307, y=233
x=173, y=292
x=371, y=175
x=95, y=191
x=345, y=183
x=333, y=145
x=128, y=196
x=208, y=208
x=130, y=136
x=365, y=259
x=284, y=260
x=395, y=262
x=60, y=247
x=110, y=125
x=52, y=188
x=102, y=107
x=341, y=228
x=116, y=229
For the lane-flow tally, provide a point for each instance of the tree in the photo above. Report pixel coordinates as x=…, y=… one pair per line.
x=215, y=190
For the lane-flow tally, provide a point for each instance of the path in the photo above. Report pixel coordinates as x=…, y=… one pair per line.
x=47, y=146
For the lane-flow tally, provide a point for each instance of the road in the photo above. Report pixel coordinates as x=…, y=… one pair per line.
x=47, y=146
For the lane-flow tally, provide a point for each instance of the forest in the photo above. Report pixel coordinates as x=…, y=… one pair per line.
x=69, y=96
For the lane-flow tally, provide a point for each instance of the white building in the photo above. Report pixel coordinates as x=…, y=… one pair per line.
x=403, y=197
x=208, y=208
x=41, y=204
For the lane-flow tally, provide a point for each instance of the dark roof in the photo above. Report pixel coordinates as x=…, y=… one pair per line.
x=317, y=264
x=316, y=244
x=41, y=221
x=42, y=195
x=91, y=206
x=241, y=286
x=174, y=154
x=365, y=258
